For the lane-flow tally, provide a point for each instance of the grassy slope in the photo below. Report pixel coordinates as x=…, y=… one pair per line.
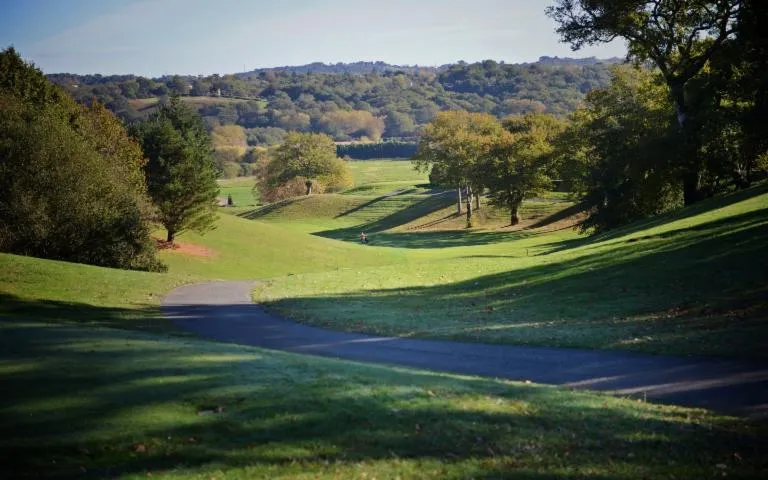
x=244, y=249
x=104, y=403
x=83, y=293
x=694, y=283
x=241, y=190
x=93, y=402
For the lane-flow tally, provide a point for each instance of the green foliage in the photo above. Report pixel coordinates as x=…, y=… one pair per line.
x=369, y=102
x=180, y=171
x=453, y=146
x=304, y=158
x=679, y=37
x=367, y=151
x=620, y=151
x=519, y=163
x=71, y=186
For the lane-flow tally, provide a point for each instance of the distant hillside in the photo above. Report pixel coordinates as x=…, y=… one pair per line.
x=353, y=101
x=355, y=68
x=579, y=61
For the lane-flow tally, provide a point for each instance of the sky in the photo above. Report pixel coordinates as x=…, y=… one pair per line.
x=202, y=37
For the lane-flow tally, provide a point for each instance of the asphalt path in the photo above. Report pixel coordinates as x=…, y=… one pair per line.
x=223, y=311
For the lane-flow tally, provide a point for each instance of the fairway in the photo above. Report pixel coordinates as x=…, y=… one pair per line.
x=673, y=285
x=97, y=383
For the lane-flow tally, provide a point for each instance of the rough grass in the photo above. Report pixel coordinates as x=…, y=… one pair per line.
x=692, y=283
x=101, y=403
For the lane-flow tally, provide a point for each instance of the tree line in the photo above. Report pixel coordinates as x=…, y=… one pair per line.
x=76, y=185
x=685, y=122
x=380, y=102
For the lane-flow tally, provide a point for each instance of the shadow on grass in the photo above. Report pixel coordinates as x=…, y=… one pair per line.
x=147, y=318
x=691, y=211
x=698, y=290
x=101, y=403
x=416, y=210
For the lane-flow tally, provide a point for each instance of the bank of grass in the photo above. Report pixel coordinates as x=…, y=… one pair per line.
x=47, y=289
x=244, y=249
x=695, y=282
x=102, y=403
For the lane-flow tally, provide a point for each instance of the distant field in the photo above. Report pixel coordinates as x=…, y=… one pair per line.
x=241, y=189
x=386, y=170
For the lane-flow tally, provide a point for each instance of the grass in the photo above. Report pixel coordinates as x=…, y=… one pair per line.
x=241, y=190
x=385, y=170
x=78, y=400
x=47, y=289
x=242, y=249
x=105, y=403
x=692, y=283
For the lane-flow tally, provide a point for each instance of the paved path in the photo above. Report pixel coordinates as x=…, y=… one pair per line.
x=223, y=311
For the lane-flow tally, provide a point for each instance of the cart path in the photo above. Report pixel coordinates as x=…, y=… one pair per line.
x=224, y=311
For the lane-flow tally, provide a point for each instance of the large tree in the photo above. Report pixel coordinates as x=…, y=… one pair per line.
x=678, y=36
x=307, y=158
x=520, y=161
x=453, y=146
x=619, y=148
x=181, y=172
x=71, y=185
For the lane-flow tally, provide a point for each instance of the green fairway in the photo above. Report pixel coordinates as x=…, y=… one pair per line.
x=84, y=401
x=693, y=283
x=104, y=403
x=242, y=249
x=386, y=170
x=241, y=190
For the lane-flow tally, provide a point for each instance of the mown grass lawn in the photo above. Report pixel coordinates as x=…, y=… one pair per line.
x=692, y=283
x=79, y=402
x=385, y=170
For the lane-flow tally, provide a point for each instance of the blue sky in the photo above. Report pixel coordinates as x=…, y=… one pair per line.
x=157, y=37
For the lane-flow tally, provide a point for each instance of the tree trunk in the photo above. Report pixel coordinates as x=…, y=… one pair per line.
x=691, y=187
x=309, y=187
x=477, y=202
x=458, y=203
x=469, y=206
x=691, y=175
x=514, y=207
x=171, y=235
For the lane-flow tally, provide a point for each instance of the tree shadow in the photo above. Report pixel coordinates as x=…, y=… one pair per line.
x=704, y=293
x=416, y=210
x=704, y=206
x=103, y=403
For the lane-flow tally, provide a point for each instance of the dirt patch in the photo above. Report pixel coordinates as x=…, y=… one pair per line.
x=187, y=249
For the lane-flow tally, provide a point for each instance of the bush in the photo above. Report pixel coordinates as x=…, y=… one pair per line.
x=62, y=198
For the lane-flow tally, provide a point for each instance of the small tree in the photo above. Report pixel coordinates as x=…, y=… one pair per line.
x=181, y=172
x=310, y=156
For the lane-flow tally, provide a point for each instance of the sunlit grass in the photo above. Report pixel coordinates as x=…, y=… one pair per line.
x=385, y=170
x=690, y=284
